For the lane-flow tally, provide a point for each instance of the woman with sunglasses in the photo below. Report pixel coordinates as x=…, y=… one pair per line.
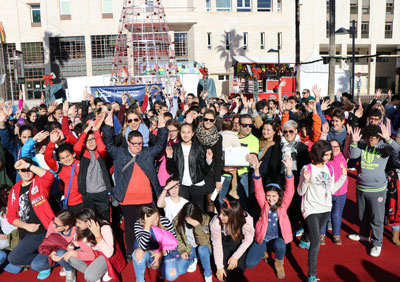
x=28, y=209
x=134, y=121
x=63, y=225
x=93, y=179
x=189, y=161
x=232, y=233
x=208, y=136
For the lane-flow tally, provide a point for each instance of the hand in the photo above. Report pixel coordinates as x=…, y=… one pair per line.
x=169, y=151
x=218, y=185
x=55, y=136
x=54, y=257
x=325, y=105
x=355, y=135
x=90, y=126
x=31, y=227
x=157, y=260
x=390, y=94
x=186, y=108
x=385, y=135
x=171, y=184
x=316, y=91
x=245, y=102
x=65, y=108
x=307, y=174
x=205, y=94
x=109, y=119
x=288, y=162
x=344, y=169
x=189, y=117
x=94, y=227
x=3, y=117
x=253, y=160
x=325, y=128
x=3, y=237
x=378, y=93
x=21, y=164
x=52, y=108
x=68, y=255
x=185, y=255
x=39, y=137
x=232, y=263
x=21, y=95
x=221, y=274
x=124, y=98
x=192, y=221
x=222, y=111
x=209, y=155
x=149, y=220
x=283, y=83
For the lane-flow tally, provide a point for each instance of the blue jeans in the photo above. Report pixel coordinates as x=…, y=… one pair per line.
x=3, y=257
x=168, y=263
x=41, y=262
x=204, y=255
x=26, y=250
x=338, y=203
x=256, y=252
x=244, y=182
x=226, y=185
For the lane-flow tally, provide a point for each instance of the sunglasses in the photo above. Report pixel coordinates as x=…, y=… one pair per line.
x=209, y=119
x=304, y=93
x=135, y=120
x=136, y=144
x=247, y=125
x=288, y=131
x=24, y=170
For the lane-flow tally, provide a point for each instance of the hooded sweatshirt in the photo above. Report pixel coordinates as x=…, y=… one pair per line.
x=371, y=171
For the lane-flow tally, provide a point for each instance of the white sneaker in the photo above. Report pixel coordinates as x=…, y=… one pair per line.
x=208, y=279
x=62, y=272
x=192, y=267
x=106, y=277
x=70, y=276
x=375, y=251
x=357, y=237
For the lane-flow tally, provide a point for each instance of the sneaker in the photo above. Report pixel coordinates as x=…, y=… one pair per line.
x=63, y=272
x=192, y=267
x=312, y=279
x=299, y=232
x=356, y=237
x=11, y=268
x=106, y=278
x=70, y=276
x=208, y=278
x=375, y=251
x=322, y=240
x=337, y=240
x=43, y=274
x=304, y=245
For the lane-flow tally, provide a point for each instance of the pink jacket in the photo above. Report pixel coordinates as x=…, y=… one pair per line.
x=165, y=239
x=335, y=163
x=284, y=222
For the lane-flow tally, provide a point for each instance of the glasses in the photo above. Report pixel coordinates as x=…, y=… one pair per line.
x=304, y=93
x=209, y=119
x=91, y=140
x=136, y=144
x=247, y=125
x=375, y=119
x=288, y=131
x=135, y=120
x=56, y=225
x=24, y=170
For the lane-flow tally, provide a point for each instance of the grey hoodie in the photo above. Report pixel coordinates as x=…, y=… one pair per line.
x=371, y=171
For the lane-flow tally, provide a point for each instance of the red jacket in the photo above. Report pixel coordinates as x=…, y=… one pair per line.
x=79, y=146
x=69, y=136
x=39, y=192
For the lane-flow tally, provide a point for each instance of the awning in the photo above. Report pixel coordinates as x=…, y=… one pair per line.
x=273, y=59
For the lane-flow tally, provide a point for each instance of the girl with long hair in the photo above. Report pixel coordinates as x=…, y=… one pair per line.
x=193, y=233
x=232, y=233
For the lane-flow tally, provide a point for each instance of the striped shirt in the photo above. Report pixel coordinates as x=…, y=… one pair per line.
x=143, y=236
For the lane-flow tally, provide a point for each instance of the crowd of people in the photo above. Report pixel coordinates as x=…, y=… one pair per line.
x=92, y=186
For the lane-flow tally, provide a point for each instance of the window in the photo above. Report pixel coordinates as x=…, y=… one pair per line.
x=389, y=7
x=227, y=40
x=223, y=5
x=365, y=7
x=388, y=29
x=262, y=40
x=264, y=6
x=222, y=77
x=208, y=5
x=243, y=5
x=381, y=82
x=245, y=40
x=35, y=13
x=107, y=7
x=103, y=47
x=65, y=7
x=279, y=5
x=181, y=46
x=33, y=60
x=354, y=7
x=364, y=29
x=209, y=41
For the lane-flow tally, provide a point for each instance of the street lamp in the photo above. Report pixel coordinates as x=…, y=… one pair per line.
x=351, y=31
x=278, y=50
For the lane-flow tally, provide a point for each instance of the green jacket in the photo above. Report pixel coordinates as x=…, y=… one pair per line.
x=201, y=235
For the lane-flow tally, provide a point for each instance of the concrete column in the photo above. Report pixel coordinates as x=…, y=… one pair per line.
x=88, y=50
x=233, y=6
x=253, y=6
x=372, y=71
x=213, y=6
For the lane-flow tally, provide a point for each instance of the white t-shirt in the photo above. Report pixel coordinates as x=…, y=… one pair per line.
x=186, y=180
x=172, y=209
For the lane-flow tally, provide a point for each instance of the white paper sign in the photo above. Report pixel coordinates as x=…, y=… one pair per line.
x=236, y=156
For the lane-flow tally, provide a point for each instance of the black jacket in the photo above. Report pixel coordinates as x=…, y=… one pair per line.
x=198, y=166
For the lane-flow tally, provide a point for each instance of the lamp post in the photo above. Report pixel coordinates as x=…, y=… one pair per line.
x=351, y=31
x=278, y=50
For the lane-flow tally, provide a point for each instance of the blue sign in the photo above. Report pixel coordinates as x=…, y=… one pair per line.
x=114, y=93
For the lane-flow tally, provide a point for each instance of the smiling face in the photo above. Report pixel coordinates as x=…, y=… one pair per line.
x=289, y=134
x=272, y=197
x=337, y=123
x=135, y=145
x=26, y=175
x=66, y=158
x=208, y=121
x=268, y=131
x=335, y=148
x=133, y=121
x=173, y=132
x=372, y=141
x=174, y=191
x=25, y=135
x=186, y=133
x=246, y=125
x=33, y=117
x=327, y=156
x=91, y=142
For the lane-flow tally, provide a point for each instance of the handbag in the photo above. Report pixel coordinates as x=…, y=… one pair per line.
x=65, y=201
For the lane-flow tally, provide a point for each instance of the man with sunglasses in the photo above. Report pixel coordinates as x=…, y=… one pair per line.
x=306, y=94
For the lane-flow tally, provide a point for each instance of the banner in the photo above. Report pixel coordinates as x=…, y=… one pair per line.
x=114, y=93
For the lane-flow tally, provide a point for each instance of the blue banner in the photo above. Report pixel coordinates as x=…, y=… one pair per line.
x=114, y=93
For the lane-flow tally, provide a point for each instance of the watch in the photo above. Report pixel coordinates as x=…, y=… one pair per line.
x=29, y=166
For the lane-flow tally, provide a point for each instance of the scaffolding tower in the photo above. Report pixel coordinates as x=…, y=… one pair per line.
x=144, y=52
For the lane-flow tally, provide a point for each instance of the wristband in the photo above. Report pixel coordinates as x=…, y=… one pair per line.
x=98, y=238
x=29, y=166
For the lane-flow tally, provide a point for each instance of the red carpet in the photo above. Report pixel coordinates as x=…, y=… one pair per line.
x=349, y=262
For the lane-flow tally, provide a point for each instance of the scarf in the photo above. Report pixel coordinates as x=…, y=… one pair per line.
x=337, y=132
x=291, y=150
x=207, y=137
